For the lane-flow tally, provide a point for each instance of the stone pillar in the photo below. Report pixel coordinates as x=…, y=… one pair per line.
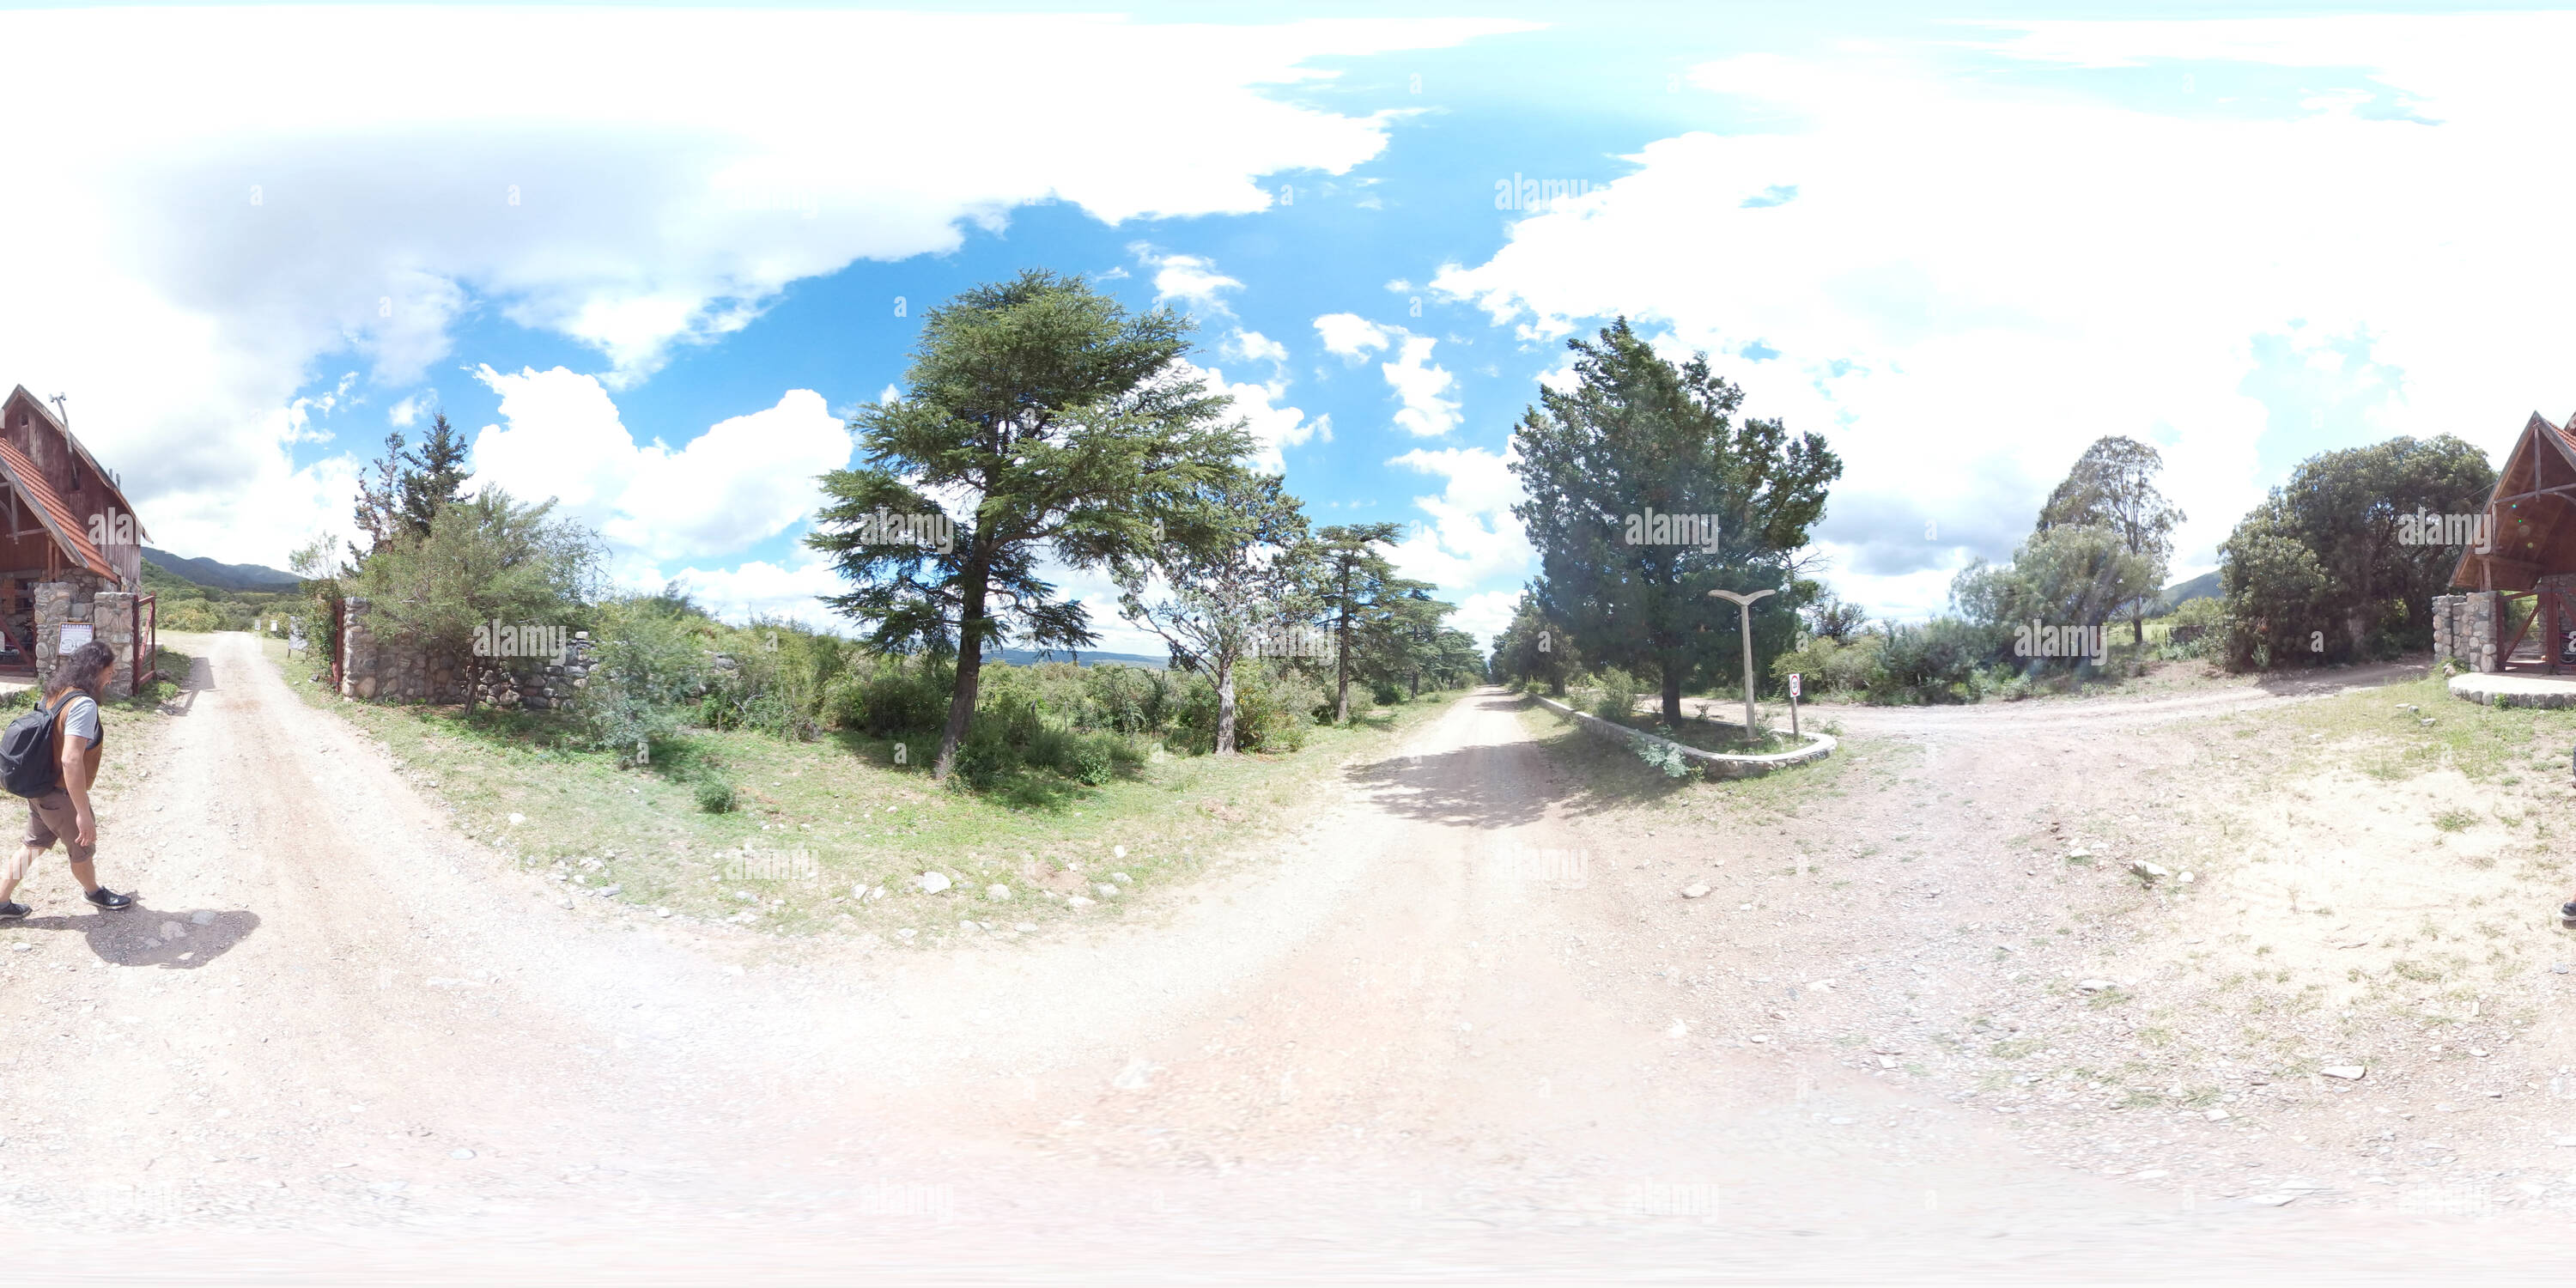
x=2480, y=626
x=53, y=608
x=112, y=615
x=357, y=654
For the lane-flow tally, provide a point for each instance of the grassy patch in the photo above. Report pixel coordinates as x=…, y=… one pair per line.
x=809, y=824
x=1611, y=774
x=1712, y=735
x=2373, y=731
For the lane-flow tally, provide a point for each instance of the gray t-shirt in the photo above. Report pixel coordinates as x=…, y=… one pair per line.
x=79, y=717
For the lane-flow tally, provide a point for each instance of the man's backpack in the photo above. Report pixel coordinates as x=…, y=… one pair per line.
x=27, y=764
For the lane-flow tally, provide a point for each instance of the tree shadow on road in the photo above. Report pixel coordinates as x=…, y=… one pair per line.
x=1597, y=776
x=1512, y=784
x=170, y=939
x=1468, y=787
x=200, y=679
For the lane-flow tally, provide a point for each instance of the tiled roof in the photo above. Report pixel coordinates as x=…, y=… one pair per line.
x=2566, y=434
x=99, y=473
x=22, y=474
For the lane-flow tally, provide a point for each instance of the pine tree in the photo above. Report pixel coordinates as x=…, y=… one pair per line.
x=434, y=478
x=1640, y=440
x=379, y=511
x=1357, y=582
x=1062, y=425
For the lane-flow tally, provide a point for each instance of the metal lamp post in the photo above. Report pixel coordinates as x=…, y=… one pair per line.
x=1744, y=616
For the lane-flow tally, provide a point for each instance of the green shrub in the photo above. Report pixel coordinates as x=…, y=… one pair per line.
x=772, y=675
x=1852, y=668
x=983, y=756
x=1937, y=661
x=1128, y=699
x=649, y=662
x=1666, y=757
x=895, y=696
x=1618, y=695
x=191, y=615
x=2197, y=629
x=715, y=796
x=1274, y=708
x=1049, y=746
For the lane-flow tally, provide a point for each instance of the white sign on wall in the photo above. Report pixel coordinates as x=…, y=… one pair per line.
x=74, y=635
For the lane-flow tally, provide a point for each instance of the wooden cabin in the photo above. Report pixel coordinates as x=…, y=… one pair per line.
x=2517, y=568
x=69, y=525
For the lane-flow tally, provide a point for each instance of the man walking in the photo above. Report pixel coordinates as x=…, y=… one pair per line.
x=64, y=813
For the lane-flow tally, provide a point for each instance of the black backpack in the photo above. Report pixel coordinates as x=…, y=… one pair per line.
x=27, y=751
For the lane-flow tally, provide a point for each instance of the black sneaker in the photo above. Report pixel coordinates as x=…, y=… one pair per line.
x=109, y=899
x=13, y=911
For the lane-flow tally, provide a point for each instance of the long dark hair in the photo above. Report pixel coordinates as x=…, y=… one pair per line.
x=83, y=666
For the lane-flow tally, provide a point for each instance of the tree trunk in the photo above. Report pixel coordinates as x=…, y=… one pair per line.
x=1673, y=693
x=1342, y=663
x=970, y=665
x=1225, y=706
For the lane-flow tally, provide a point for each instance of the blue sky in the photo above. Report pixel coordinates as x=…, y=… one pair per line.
x=649, y=259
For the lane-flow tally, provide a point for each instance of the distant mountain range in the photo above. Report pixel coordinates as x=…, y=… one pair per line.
x=222, y=576
x=2204, y=586
x=207, y=572
x=1025, y=656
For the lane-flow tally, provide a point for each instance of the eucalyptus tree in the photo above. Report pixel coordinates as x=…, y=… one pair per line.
x=1234, y=581
x=2113, y=486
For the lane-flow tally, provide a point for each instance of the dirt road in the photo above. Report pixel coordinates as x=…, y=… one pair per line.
x=1466, y=1029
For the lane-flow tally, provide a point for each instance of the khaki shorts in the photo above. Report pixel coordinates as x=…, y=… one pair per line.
x=50, y=819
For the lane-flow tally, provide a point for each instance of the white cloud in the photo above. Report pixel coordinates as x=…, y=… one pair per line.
x=742, y=481
x=1471, y=536
x=1191, y=279
x=1273, y=427
x=239, y=200
x=757, y=588
x=294, y=505
x=1349, y=334
x=1253, y=346
x=402, y=414
x=1485, y=616
x=1422, y=387
x=301, y=413
x=1974, y=280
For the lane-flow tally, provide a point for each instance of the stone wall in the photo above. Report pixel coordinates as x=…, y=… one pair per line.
x=536, y=684
x=84, y=598
x=53, y=608
x=2464, y=627
x=112, y=612
x=391, y=671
